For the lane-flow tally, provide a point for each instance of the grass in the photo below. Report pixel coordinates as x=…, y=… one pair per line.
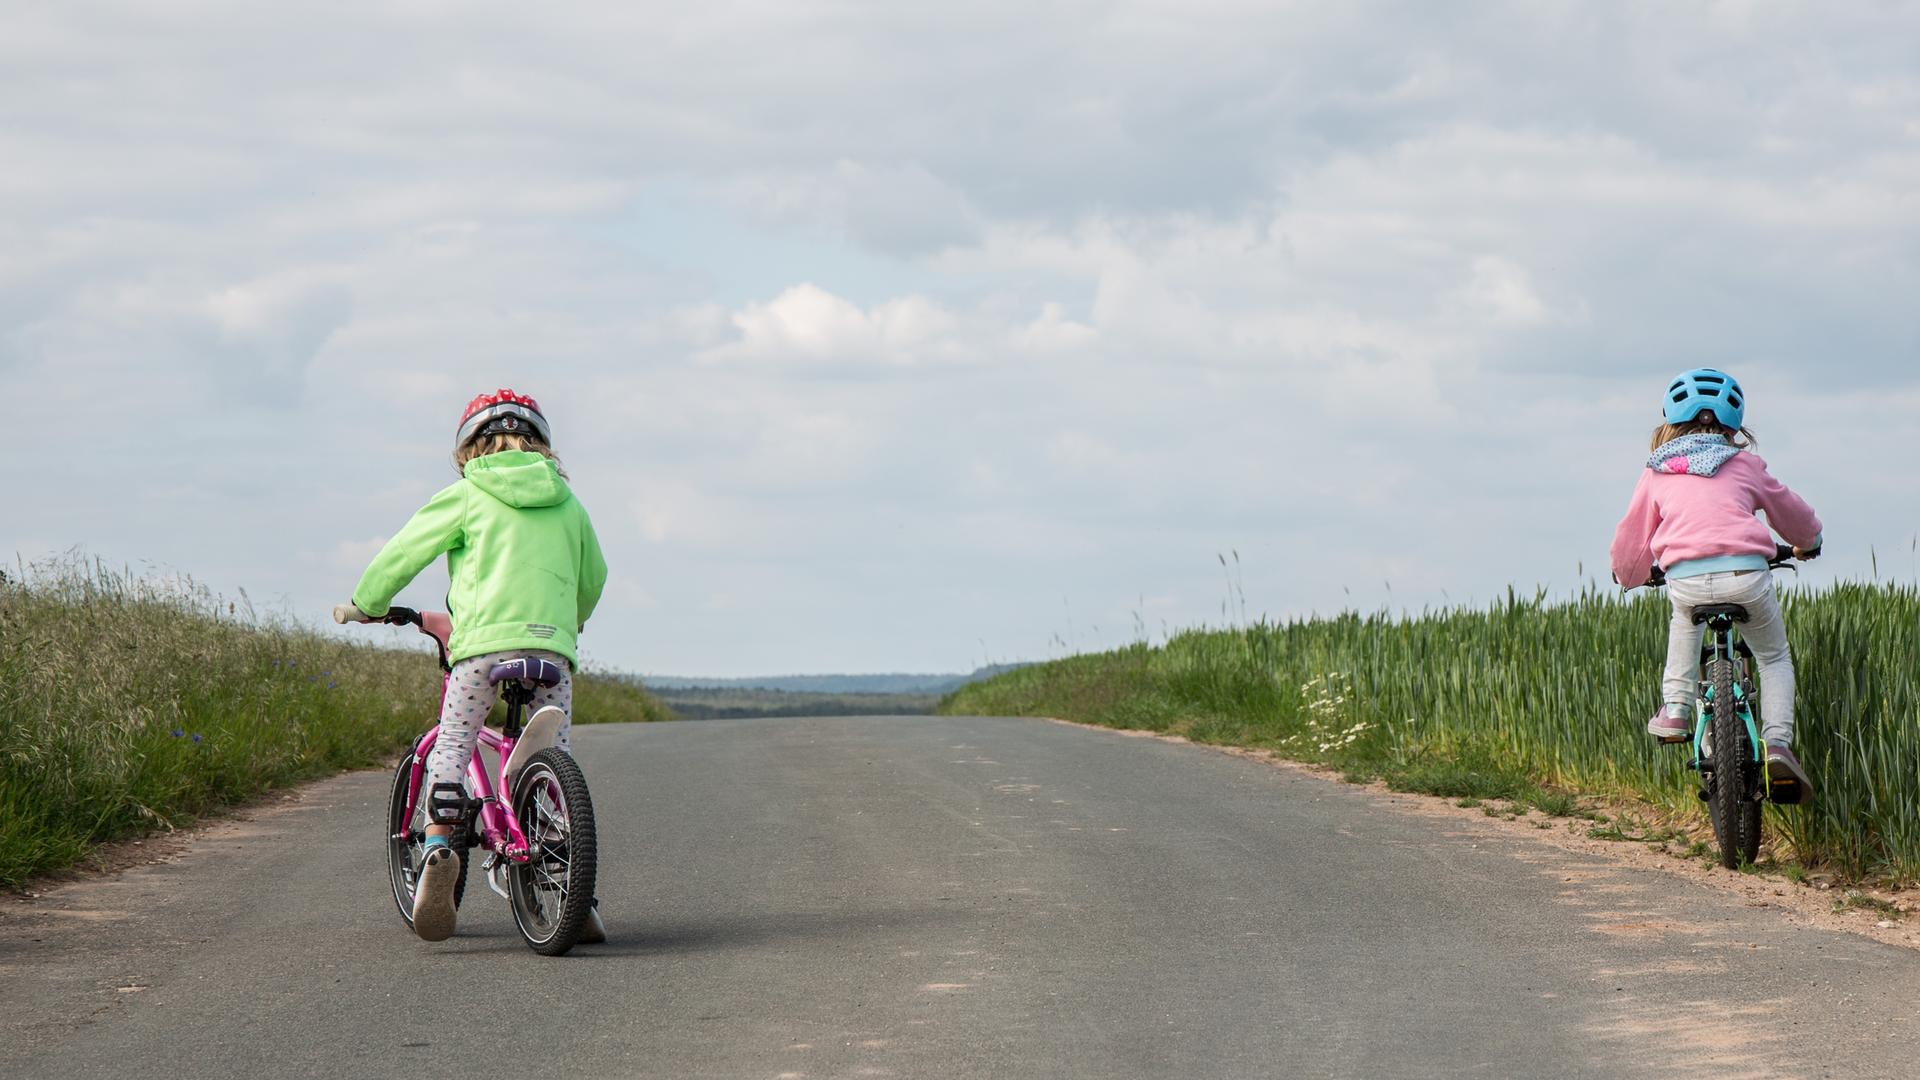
x=128, y=705
x=1524, y=701
x=1854, y=898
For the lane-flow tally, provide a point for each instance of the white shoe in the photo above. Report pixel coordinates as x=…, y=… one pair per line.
x=433, y=911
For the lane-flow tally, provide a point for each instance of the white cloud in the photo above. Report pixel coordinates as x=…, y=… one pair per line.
x=1502, y=292
x=807, y=323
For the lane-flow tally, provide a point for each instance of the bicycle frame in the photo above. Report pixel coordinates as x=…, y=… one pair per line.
x=499, y=831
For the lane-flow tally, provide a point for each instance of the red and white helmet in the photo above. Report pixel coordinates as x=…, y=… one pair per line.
x=501, y=412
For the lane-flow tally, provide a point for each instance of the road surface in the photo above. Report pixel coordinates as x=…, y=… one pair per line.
x=948, y=898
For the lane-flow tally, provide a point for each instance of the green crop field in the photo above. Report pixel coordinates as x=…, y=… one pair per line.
x=1527, y=700
x=128, y=706
x=723, y=702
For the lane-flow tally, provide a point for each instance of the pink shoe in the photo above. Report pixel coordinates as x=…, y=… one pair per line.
x=1669, y=728
x=1787, y=782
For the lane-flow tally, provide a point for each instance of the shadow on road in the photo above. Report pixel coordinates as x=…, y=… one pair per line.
x=720, y=933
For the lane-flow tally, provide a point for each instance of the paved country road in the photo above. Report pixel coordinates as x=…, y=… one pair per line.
x=939, y=897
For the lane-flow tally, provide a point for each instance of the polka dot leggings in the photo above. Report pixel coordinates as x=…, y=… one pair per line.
x=470, y=698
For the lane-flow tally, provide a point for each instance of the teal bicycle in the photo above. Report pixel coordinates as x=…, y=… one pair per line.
x=1728, y=752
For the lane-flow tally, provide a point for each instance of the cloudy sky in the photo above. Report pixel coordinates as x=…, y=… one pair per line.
x=885, y=336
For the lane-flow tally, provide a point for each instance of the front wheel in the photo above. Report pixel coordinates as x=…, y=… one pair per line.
x=1735, y=816
x=406, y=851
x=552, y=892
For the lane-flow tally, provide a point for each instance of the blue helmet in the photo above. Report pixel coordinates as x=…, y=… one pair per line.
x=1706, y=390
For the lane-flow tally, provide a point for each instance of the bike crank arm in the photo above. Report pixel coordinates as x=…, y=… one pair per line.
x=496, y=870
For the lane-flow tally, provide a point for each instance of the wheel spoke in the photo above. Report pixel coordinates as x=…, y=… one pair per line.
x=545, y=822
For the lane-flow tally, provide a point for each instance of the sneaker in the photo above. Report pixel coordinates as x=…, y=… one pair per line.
x=595, y=932
x=433, y=911
x=1668, y=728
x=1786, y=780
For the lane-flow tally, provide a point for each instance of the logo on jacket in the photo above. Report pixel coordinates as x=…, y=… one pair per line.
x=539, y=630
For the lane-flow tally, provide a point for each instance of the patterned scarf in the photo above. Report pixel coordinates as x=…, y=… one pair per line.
x=1695, y=455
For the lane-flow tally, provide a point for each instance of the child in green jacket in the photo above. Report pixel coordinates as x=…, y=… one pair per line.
x=525, y=570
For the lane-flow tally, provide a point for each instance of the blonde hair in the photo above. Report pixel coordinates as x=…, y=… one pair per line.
x=1666, y=433
x=500, y=442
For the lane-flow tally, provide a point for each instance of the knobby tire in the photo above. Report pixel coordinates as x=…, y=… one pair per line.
x=1736, y=818
x=552, y=937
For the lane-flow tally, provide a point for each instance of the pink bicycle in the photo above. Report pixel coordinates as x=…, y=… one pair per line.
x=540, y=845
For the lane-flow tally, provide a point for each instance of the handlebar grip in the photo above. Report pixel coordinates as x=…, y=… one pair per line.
x=395, y=616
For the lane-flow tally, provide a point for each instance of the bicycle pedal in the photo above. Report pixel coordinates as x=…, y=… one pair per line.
x=1785, y=793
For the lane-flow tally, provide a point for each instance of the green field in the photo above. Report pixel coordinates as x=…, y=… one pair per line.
x=1529, y=700
x=128, y=706
x=723, y=702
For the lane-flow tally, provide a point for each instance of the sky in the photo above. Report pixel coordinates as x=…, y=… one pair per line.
x=882, y=336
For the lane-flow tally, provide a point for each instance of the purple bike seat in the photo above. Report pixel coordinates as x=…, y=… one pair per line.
x=527, y=669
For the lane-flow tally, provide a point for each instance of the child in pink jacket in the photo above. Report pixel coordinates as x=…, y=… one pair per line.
x=1694, y=514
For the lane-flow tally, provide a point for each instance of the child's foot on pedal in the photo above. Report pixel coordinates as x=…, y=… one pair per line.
x=1787, y=779
x=433, y=911
x=1669, y=728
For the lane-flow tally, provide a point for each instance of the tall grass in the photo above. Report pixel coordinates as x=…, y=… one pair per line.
x=128, y=705
x=1525, y=690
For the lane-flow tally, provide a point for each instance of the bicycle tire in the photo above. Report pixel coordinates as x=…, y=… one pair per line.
x=403, y=855
x=1738, y=838
x=1752, y=774
x=550, y=924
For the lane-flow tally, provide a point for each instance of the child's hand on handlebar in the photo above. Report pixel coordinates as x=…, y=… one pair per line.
x=1806, y=554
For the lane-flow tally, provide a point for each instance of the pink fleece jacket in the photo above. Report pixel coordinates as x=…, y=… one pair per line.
x=1676, y=517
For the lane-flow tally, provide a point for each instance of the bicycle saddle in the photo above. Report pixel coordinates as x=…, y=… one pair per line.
x=1704, y=612
x=527, y=669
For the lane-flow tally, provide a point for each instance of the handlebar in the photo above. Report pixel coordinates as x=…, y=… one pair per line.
x=1783, y=558
x=401, y=616
x=395, y=616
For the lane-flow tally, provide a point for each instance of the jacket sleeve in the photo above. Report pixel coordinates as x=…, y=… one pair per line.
x=593, y=569
x=437, y=528
x=1788, y=513
x=1632, y=552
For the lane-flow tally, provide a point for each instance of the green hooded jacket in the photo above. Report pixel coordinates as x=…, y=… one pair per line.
x=525, y=567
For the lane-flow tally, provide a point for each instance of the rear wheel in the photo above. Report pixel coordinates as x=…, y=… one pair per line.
x=406, y=844
x=1736, y=817
x=552, y=892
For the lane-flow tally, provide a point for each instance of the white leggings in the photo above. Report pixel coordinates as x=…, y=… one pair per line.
x=1764, y=632
x=470, y=698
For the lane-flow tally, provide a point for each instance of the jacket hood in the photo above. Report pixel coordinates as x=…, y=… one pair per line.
x=519, y=478
x=1694, y=455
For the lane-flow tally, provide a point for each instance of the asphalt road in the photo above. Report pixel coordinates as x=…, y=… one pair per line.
x=950, y=898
